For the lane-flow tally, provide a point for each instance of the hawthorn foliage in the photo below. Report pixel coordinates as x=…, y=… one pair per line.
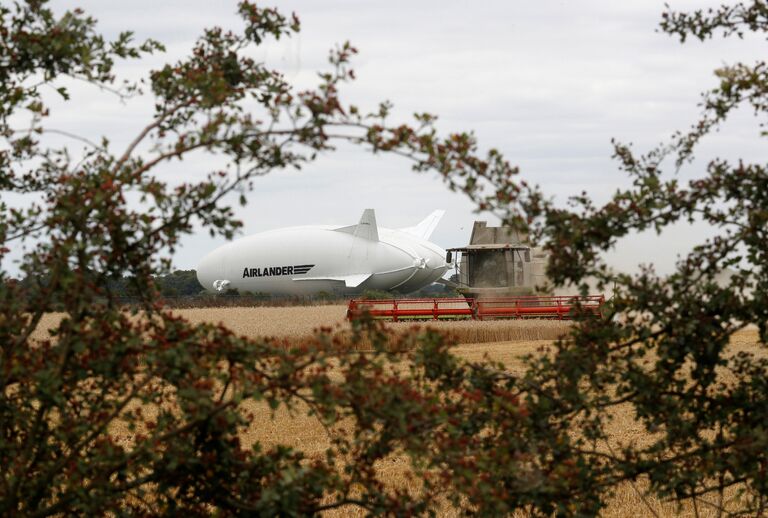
x=477, y=437
x=662, y=349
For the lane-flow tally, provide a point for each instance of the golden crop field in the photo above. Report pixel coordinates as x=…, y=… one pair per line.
x=501, y=341
x=306, y=433
x=297, y=322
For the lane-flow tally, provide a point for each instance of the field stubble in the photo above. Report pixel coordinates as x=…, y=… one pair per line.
x=296, y=323
x=506, y=342
x=629, y=499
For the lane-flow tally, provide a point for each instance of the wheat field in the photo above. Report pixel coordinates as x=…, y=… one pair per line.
x=506, y=342
x=629, y=501
x=300, y=322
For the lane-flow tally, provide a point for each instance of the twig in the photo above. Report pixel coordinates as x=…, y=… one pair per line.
x=132, y=146
x=64, y=133
x=634, y=486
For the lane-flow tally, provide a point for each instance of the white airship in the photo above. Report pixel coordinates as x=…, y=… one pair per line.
x=311, y=259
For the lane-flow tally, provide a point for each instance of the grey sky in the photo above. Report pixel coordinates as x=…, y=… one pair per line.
x=548, y=83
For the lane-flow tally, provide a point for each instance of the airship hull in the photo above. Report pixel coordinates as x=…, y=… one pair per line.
x=312, y=259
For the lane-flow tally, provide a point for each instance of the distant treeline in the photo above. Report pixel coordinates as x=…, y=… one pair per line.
x=179, y=284
x=182, y=289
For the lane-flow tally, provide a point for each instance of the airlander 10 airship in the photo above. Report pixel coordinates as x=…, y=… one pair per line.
x=310, y=259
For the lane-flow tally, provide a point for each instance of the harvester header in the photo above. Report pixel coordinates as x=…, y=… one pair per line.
x=552, y=307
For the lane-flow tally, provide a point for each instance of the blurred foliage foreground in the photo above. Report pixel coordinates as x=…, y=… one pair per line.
x=479, y=438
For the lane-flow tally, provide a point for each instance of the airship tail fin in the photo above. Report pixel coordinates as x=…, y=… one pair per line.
x=366, y=228
x=427, y=226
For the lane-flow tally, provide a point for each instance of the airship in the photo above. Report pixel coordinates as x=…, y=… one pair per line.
x=344, y=260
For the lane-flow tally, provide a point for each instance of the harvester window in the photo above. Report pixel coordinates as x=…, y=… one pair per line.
x=488, y=269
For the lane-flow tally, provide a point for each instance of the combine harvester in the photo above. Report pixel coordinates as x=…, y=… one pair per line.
x=550, y=307
x=497, y=273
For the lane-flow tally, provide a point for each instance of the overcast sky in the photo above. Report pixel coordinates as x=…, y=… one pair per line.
x=549, y=83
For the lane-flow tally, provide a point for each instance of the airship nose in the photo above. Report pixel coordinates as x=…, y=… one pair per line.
x=209, y=270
